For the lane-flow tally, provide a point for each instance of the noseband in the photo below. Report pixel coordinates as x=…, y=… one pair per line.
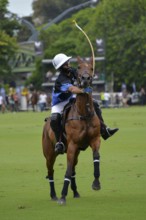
x=84, y=81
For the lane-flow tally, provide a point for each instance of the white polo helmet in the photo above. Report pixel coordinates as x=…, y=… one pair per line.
x=59, y=60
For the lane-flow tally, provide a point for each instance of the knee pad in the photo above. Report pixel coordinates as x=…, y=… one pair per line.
x=55, y=120
x=95, y=103
x=96, y=107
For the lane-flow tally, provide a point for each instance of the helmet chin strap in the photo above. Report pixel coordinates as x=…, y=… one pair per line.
x=88, y=42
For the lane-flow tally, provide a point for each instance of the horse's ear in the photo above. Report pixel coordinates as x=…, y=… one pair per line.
x=91, y=60
x=79, y=59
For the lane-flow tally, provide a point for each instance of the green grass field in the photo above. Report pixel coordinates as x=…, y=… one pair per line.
x=24, y=191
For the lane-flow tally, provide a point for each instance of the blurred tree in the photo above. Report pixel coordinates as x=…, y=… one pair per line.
x=121, y=24
x=37, y=77
x=8, y=45
x=45, y=11
x=25, y=32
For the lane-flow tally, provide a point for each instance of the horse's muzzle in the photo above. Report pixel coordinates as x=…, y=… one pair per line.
x=86, y=81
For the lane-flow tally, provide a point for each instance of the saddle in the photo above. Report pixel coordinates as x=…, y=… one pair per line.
x=66, y=110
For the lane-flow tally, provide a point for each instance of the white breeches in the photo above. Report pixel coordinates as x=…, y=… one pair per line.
x=59, y=107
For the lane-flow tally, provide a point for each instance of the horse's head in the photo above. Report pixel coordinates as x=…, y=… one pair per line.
x=85, y=72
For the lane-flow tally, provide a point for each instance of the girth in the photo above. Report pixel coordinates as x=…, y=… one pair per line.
x=80, y=117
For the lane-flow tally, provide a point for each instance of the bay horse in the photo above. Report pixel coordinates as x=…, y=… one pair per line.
x=82, y=129
x=34, y=100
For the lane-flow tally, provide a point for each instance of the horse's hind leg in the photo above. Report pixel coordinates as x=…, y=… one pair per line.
x=50, y=156
x=50, y=177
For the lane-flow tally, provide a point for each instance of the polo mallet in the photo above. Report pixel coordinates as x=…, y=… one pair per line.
x=88, y=42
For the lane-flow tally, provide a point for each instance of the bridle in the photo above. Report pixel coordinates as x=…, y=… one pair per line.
x=85, y=76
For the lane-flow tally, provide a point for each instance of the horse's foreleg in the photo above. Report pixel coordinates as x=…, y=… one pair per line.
x=74, y=186
x=73, y=178
x=52, y=187
x=67, y=181
x=96, y=161
x=71, y=158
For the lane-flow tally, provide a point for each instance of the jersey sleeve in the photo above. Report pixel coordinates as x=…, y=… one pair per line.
x=65, y=87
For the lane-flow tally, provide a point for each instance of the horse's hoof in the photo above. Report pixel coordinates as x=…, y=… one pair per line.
x=96, y=185
x=76, y=195
x=62, y=201
x=54, y=198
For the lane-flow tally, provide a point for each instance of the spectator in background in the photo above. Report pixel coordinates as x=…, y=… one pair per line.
x=42, y=101
x=102, y=99
x=24, y=100
x=142, y=96
x=11, y=103
x=2, y=92
x=16, y=101
x=2, y=104
x=1, y=101
x=125, y=98
x=11, y=99
x=123, y=87
x=107, y=99
x=117, y=100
